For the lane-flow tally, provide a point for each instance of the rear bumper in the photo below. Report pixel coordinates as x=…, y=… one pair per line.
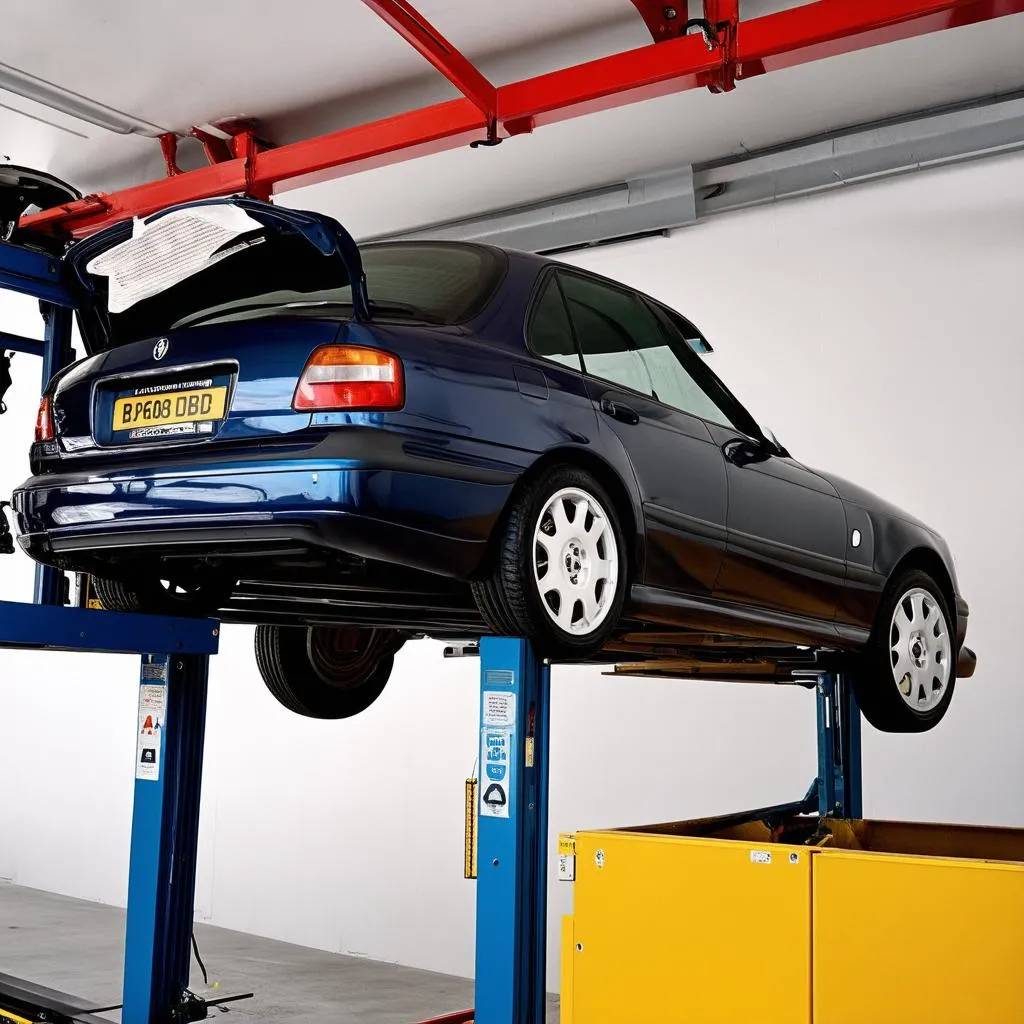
x=437, y=524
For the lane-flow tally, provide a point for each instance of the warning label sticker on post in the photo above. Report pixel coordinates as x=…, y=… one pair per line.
x=495, y=760
x=499, y=708
x=152, y=719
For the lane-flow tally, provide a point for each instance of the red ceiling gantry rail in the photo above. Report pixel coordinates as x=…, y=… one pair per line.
x=735, y=52
x=423, y=37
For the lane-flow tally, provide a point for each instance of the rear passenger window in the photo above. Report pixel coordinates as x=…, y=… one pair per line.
x=623, y=342
x=612, y=325
x=550, y=331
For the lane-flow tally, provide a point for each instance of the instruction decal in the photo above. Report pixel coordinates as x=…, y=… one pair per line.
x=499, y=708
x=567, y=858
x=152, y=717
x=495, y=759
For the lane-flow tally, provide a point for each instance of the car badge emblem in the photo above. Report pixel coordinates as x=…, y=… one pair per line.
x=160, y=348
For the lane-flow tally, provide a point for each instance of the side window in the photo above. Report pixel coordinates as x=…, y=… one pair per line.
x=623, y=342
x=676, y=387
x=611, y=326
x=550, y=331
x=690, y=346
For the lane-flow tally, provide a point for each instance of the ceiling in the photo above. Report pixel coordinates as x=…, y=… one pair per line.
x=328, y=64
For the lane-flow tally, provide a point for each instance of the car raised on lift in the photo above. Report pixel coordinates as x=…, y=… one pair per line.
x=353, y=445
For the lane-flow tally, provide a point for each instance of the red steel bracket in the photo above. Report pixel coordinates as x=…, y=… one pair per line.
x=245, y=146
x=667, y=21
x=217, y=150
x=663, y=20
x=169, y=148
x=724, y=18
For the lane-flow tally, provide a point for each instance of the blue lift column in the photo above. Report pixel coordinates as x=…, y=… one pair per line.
x=168, y=765
x=839, y=781
x=511, y=899
x=165, y=834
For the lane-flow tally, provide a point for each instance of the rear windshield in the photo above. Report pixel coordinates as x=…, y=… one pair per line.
x=446, y=282
x=280, y=274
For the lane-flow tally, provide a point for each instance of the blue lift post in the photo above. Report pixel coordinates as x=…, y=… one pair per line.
x=165, y=836
x=511, y=898
x=511, y=923
x=168, y=764
x=839, y=782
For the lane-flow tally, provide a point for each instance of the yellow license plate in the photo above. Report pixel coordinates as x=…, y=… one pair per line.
x=170, y=407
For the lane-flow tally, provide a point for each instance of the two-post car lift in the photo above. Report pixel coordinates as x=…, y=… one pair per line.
x=716, y=51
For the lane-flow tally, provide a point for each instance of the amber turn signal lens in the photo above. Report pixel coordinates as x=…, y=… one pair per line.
x=350, y=378
x=44, y=420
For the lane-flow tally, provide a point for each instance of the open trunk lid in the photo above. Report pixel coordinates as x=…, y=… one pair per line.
x=216, y=258
x=164, y=303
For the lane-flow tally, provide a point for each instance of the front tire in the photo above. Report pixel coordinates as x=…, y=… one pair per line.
x=560, y=576
x=906, y=678
x=323, y=671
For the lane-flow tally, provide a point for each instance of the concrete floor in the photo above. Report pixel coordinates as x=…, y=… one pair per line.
x=77, y=947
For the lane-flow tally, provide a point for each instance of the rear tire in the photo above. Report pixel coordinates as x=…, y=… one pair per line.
x=560, y=577
x=905, y=680
x=163, y=597
x=323, y=671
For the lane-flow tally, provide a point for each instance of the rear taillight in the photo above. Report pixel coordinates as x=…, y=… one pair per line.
x=44, y=420
x=346, y=377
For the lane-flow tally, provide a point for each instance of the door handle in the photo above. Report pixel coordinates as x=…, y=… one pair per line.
x=620, y=412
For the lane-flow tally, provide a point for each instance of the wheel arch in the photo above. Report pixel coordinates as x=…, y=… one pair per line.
x=930, y=561
x=626, y=500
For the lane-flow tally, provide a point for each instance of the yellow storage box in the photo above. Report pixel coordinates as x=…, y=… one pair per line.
x=812, y=922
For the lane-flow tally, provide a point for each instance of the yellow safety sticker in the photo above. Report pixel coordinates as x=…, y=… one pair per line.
x=469, y=862
x=566, y=845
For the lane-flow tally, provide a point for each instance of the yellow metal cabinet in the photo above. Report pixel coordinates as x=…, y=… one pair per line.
x=667, y=931
x=900, y=940
x=819, y=922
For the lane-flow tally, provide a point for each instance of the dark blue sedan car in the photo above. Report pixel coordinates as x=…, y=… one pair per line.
x=350, y=446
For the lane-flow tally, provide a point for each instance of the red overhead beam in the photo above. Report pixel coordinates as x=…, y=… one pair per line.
x=828, y=28
x=614, y=81
x=793, y=36
x=423, y=37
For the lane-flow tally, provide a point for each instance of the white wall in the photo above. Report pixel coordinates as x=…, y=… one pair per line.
x=879, y=331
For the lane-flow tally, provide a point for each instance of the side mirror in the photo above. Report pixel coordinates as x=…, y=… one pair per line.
x=741, y=451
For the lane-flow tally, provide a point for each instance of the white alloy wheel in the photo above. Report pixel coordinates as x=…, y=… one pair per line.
x=920, y=650
x=575, y=561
